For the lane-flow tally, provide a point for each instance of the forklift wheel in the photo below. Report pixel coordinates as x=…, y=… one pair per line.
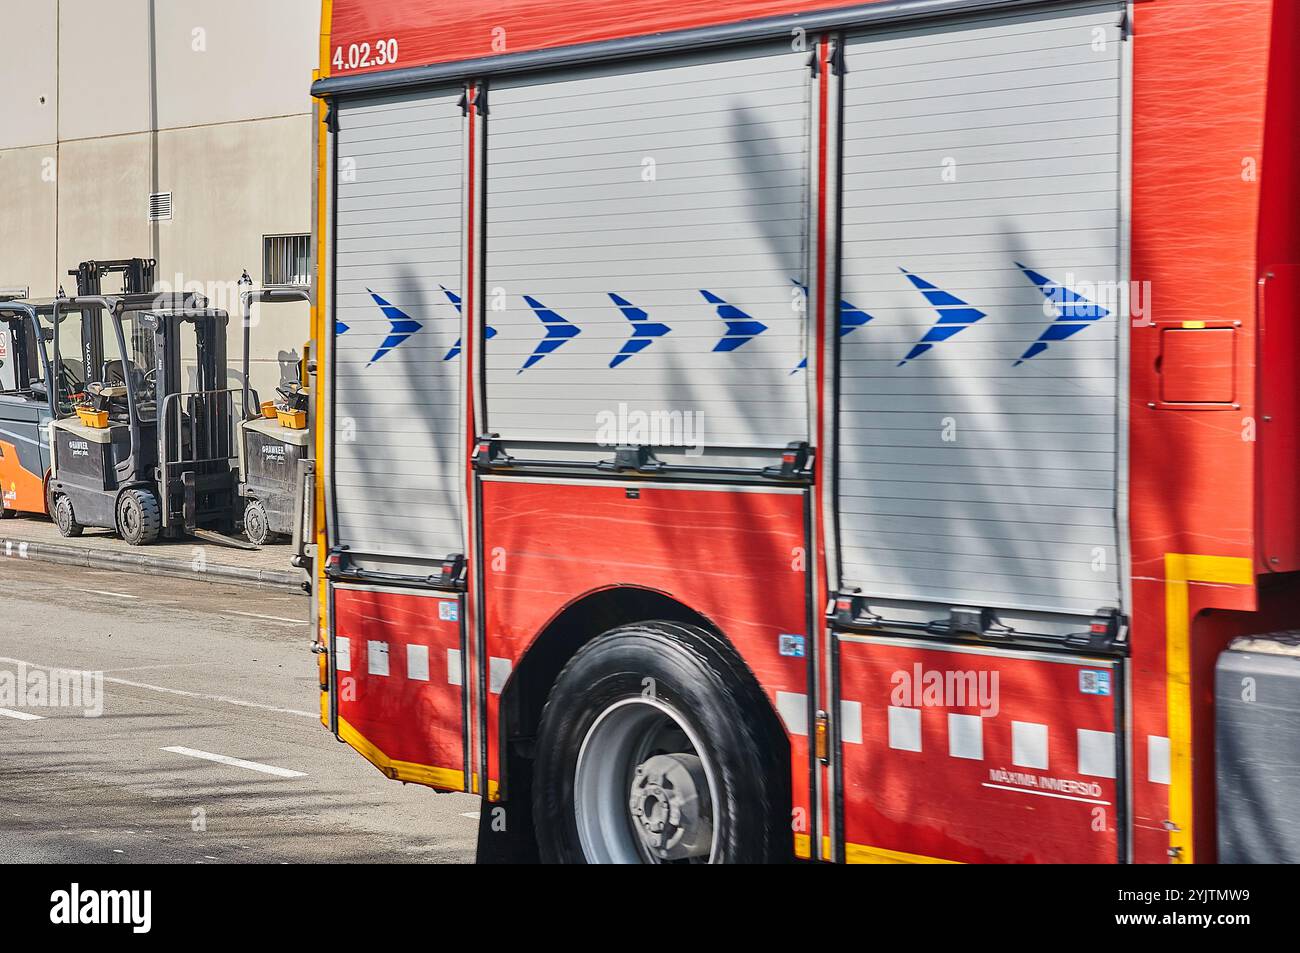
x=139, y=520
x=7, y=514
x=65, y=518
x=256, y=526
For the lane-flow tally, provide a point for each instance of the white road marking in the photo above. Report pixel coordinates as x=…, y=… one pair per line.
x=1063, y=797
x=20, y=715
x=268, y=618
x=103, y=592
x=236, y=762
x=182, y=694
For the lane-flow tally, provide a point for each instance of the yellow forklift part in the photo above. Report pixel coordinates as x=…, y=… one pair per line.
x=97, y=419
x=293, y=419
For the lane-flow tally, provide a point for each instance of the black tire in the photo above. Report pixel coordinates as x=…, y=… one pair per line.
x=701, y=684
x=65, y=518
x=7, y=514
x=139, y=518
x=257, y=526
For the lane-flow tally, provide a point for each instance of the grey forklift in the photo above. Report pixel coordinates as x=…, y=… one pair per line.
x=270, y=449
x=142, y=455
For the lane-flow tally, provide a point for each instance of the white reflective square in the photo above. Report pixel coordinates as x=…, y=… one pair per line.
x=342, y=653
x=1029, y=745
x=377, y=658
x=793, y=709
x=851, y=722
x=1096, y=753
x=453, y=667
x=498, y=674
x=417, y=662
x=966, y=736
x=905, y=728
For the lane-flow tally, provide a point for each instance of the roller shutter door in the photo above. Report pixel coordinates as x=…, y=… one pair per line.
x=646, y=248
x=397, y=443
x=983, y=235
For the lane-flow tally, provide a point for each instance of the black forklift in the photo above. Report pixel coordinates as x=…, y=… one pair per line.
x=25, y=382
x=273, y=436
x=142, y=455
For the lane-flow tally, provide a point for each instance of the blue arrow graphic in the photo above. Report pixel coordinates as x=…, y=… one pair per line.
x=403, y=326
x=741, y=328
x=489, y=332
x=1074, y=312
x=851, y=319
x=955, y=315
x=644, y=331
x=558, y=331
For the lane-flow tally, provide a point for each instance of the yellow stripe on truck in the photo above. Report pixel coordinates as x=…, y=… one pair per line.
x=1180, y=570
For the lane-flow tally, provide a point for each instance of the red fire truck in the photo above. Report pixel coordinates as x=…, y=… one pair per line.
x=796, y=428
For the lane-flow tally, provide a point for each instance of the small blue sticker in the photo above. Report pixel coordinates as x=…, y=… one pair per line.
x=1093, y=682
x=448, y=611
x=792, y=646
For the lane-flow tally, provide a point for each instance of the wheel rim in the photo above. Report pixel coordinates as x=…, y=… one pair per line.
x=644, y=788
x=63, y=513
x=130, y=517
x=255, y=525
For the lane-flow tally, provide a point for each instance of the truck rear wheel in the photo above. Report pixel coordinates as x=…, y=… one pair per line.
x=652, y=750
x=139, y=518
x=65, y=519
x=7, y=514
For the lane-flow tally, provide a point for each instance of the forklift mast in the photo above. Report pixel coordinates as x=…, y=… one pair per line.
x=137, y=279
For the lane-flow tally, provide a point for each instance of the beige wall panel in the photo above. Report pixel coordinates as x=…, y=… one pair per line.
x=103, y=68
x=228, y=60
x=27, y=203
x=28, y=73
x=103, y=202
x=233, y=184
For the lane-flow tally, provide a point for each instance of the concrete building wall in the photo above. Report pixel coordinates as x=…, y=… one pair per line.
x=29, y=73
x=104, y=101
x=28, y=204
x=103, y=67
x=230, y=60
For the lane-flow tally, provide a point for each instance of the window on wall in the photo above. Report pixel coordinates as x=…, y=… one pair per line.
x=286, y=260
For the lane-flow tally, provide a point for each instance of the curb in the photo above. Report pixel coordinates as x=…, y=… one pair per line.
x=139, y=562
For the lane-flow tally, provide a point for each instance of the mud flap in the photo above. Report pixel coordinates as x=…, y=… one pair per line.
x=979, y=754
x=398, y=678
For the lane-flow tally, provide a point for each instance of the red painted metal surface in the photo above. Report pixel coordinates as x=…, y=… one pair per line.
x=974, y=803
x=735, y=557
x=442, y=31
x=1200, y=90
x=1215, y=206
x=408, y=717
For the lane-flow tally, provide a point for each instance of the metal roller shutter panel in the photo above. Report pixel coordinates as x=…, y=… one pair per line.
x=646, y=246
x=983, y=236
x=398, y=446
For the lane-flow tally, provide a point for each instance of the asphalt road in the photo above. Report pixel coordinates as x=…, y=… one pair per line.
x=219, y=669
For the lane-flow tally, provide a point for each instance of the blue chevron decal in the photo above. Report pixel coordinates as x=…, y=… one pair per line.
x=340, y=327
x=1074, y=312
x=644, y=331
x=403, y=326
x=851, y=319
x=490, y=332
x=955, y=315
x=741, y=328
x=558, y=330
